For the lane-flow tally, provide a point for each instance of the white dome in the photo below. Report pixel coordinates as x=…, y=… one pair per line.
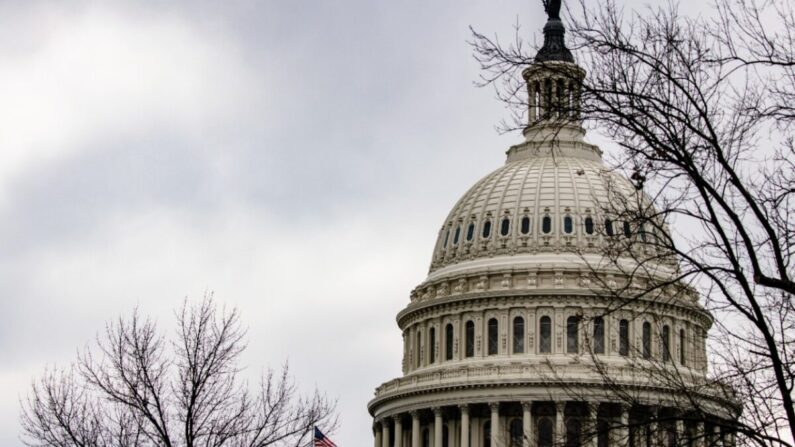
x=539, y=201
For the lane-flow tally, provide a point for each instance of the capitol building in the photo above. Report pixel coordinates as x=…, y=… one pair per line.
x=514, y=338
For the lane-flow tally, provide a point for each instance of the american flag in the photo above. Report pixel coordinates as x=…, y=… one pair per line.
x=321, y=440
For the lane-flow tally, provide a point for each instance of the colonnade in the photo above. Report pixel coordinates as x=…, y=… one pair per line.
x=546, y=424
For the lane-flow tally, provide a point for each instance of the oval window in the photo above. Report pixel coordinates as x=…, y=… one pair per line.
x=588, y=225
x=505, y=227
x=525, y=225
x=446, y=237
x=487, y=229
x=456, y=235
x=627, y=230
x=568, y=225
x=470, y=231
x=546, y=224
x=609, y=227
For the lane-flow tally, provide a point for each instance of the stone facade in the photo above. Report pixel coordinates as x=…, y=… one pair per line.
x=513, y=339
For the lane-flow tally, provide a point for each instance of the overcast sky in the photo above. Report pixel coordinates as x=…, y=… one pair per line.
x=294, y=157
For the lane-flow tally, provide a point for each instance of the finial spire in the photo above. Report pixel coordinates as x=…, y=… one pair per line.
x=554, y=48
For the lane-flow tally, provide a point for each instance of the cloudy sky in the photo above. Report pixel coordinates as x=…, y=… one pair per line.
x=294, y=157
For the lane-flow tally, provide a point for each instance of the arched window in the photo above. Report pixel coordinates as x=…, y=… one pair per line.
x=627, y=230
x=546, y=225
x=665, y=343
x=505, y=227
x=599, y=335
x=518, y=335
x=471, y=231
x=448, y=342
x=432, y=345
x=456, y=235
x=572, y=334
x=487, y=434
x=516, y=431
x=646, y=340
x=609, y=227
x=470, y=339
x=486, y=229
x=623, y=337
x=446, y=237
x=545, y=335
x=682, y=344
x=588, y=225
x=493, y=336
x=573, y=432
x=568, y=225
x=525, y=225
x=545, y=432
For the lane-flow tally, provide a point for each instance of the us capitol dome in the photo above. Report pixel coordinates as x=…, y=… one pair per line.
x=509, y=341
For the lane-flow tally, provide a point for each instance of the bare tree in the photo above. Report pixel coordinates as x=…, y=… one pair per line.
x=138, y=387
x=701, y=109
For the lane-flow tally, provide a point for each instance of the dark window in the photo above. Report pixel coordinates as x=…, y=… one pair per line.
x=682, y=344
x=487, y=434
x=573, y=432
x=448, y=342
x=665, y=343
x=456, y=235
x=493, y=336
x=599, y=335
x=432, y=345
x=627, y=230
x=525, y=225
x=545, y=335
x=418, y=349
x=445, y=436
x=426, y=438
x=505, y=227
x=568, y=225
x=588, y=225
x=609, y=227
x=646, y=340
x=546, y=224
x=470, y=231
x=623, y=337
x=602, y=433
x=470, y=339
x=446, y=237
x=545, y=432
x=517, y=432
x=486, y=229
x=572, y=334
x=518, y=335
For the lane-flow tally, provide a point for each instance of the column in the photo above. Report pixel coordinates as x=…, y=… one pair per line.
x=699, y=434
x=680, y=431
x=527, y=423
x=592, y=425
x=716, y=440
x=464, y=425
x=415, y=428
x=622, y=430
x=398, y=431
x=437, y=426
x=385, y=434
x=560, y=423
x=377, y=430
x=495, y=422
